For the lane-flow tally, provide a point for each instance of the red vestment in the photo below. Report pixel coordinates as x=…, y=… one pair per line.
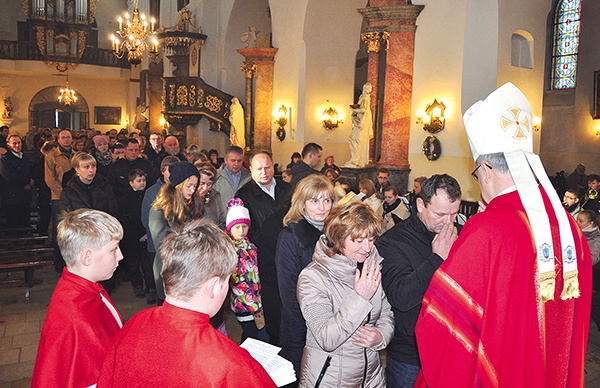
x=480, y=324
x=76, y=334
x=169, y=346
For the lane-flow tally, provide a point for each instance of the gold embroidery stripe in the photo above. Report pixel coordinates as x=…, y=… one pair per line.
x=454, y=287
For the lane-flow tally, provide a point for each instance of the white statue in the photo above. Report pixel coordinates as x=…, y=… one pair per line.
x=250, y=36
x=362, y=129
x=236, y=118
x=140, y=121
x=8, y=108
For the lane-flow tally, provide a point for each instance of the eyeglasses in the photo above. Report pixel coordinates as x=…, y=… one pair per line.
x=474, y=173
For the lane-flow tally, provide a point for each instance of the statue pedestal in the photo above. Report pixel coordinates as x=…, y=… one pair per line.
x=398, y=177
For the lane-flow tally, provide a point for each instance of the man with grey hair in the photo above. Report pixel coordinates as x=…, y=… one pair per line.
x=511, y=304
x=198, y=261
x=231, y=175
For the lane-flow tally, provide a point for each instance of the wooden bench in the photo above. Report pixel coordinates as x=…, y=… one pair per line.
x=26, y=254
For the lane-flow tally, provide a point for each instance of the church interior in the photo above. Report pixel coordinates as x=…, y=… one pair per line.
x=309, y=57
x=298, y=68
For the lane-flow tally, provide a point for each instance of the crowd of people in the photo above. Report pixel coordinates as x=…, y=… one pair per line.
x=331, y=276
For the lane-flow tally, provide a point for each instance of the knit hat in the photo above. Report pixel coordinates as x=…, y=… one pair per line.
x=236, y=214
x=502, y=123
x=180, y=171
x=99, y=139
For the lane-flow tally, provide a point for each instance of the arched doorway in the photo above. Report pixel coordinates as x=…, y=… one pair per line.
x=46, y=111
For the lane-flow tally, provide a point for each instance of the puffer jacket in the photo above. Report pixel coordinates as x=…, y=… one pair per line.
x=333, y=311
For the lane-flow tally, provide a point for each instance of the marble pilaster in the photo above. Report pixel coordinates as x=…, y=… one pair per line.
x=262, y=99
x=398, y=19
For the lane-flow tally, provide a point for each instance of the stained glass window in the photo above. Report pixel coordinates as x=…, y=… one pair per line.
x=567, y=24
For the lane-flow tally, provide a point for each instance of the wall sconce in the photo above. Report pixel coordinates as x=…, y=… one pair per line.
x=432, y=117
x=125, y=124
x=536, y=122
x=281, y=119
x=331, y=118
x=598, y=130
x=420, y=114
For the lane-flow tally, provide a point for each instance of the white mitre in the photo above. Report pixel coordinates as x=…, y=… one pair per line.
x=502, y=123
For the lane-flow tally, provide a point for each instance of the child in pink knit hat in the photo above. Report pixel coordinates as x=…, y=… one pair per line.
x=245, y=298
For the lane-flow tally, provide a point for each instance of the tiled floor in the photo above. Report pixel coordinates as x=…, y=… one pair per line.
x=20, y=325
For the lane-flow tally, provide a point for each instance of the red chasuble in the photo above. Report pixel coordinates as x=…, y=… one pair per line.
x=480, y=324
x=168, y=346
x=77, y=332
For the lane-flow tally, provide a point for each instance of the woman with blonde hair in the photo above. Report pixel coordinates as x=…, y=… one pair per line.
x=312, y=201
x=367, y=187
x=348, y=316
x=86, y=188
x=213, y=205
x=176, y=203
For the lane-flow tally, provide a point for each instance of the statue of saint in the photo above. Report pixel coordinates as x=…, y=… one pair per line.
x=362, y=129
x=236, y=118
x=8, y=108
x=140, y=121
x=249, y=38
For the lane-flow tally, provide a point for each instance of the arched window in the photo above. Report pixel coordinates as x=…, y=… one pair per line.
x=522, y=49
x=567, y=22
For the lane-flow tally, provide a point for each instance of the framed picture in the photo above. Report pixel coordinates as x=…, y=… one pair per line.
x=597, y=94
x=107, y=114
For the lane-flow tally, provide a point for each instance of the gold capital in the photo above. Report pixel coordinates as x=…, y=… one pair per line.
x=372, y=40
x=248, y=68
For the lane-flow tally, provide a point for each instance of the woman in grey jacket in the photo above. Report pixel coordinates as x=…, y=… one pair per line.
x=347, y=314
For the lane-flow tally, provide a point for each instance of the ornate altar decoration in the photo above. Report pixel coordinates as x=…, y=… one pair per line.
x=60, y=28
x=186, y=97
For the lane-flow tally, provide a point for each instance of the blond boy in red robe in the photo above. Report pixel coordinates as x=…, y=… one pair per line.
x=82, y=319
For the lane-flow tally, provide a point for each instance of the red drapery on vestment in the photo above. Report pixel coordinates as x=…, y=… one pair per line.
x=480, y=324
x=169, y=346
x=77, y=333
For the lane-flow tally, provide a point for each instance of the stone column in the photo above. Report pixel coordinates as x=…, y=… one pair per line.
x=398, y=18
x=262, y=98
x=374, y=41
x=249, y=70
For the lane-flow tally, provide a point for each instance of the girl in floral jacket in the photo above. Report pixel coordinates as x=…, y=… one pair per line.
x=245, y=298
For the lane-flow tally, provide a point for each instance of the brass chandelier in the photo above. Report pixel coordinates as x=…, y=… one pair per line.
x=135, y=35
x=67, y=96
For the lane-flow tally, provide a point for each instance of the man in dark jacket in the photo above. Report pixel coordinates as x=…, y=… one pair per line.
x=154, y=149
x=311, y=156
x=118, y=172
x=16, y=182
x=266, y=199
x=413, y=250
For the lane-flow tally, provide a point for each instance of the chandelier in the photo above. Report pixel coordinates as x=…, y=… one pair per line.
x=135, y=35
x=67, y=96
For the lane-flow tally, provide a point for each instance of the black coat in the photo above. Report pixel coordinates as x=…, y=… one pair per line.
x=408, y=266
x=261, y=205
x=295, y=249
x=300, y=171
x=118, y=176
x=15, y=174
x=98, y=195
x=266, y=218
